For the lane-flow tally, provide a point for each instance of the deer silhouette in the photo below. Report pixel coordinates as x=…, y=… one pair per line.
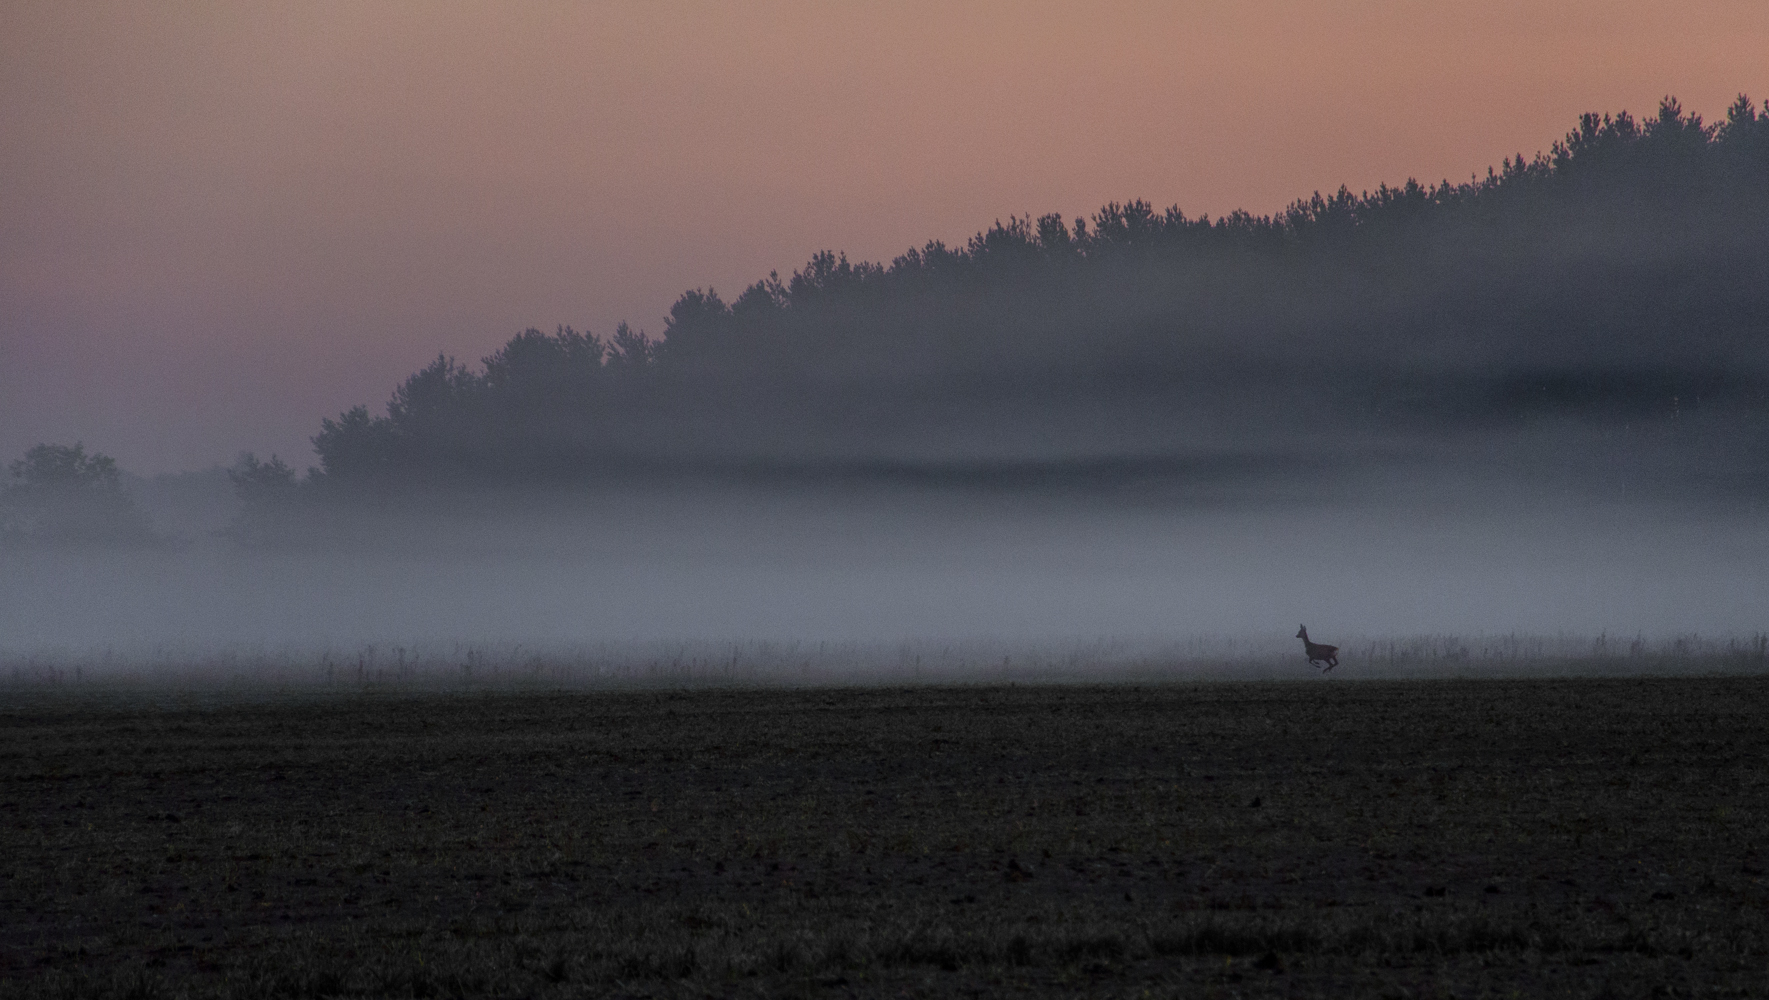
x=1318, y=652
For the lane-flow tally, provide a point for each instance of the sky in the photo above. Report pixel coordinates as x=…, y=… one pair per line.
x=221, y=223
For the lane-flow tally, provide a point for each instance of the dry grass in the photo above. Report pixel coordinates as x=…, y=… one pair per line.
x=233, y=673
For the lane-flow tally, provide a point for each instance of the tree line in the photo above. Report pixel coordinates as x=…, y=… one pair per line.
x=1621, y=268
x=1622, y=273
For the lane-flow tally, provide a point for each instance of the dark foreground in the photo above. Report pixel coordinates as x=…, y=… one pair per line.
x=1555, y=838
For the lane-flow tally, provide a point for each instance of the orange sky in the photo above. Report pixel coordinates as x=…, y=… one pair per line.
x=221, y=223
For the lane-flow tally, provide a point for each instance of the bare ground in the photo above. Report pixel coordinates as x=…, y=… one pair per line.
x=1407, y=839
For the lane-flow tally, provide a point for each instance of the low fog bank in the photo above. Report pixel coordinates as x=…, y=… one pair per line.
x=461, y=667
x=1205, y=565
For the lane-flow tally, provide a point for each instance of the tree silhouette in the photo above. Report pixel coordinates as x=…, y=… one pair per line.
x=268, y=494
x=61, y=495
x=1619, y=272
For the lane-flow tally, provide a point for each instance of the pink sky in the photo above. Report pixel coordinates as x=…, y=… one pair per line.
x=220, y=223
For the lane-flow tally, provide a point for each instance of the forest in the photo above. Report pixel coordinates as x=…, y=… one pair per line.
x=1620, y=274
x=1618, y=280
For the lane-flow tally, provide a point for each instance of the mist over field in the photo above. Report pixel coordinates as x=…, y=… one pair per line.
x=1532, y=404
x=1158, y=569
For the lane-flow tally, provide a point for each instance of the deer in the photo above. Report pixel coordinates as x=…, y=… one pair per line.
x=1318, y=652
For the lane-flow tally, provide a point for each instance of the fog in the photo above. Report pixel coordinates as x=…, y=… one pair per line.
x=1440, y=416
x=1154, y=566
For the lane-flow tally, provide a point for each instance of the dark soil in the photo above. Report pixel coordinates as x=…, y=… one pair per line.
x=1438, y=838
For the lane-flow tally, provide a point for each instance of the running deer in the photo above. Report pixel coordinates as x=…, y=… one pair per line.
x=1318, y=652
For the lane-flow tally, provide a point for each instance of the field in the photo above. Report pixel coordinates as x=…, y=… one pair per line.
x=1571, y=837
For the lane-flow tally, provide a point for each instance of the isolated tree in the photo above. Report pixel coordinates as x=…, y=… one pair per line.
x=59, y=494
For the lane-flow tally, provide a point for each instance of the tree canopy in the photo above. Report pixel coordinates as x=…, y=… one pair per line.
x=1623, y=271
